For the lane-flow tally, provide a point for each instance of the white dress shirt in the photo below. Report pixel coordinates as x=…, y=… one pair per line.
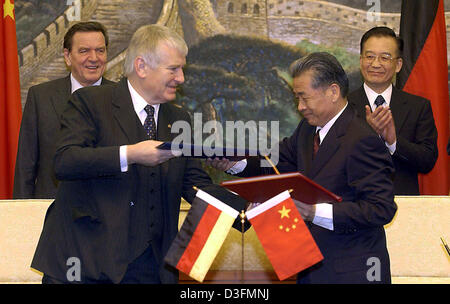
x=75, y=85
x=324, y=211
x=139, y=104
x=387, y=94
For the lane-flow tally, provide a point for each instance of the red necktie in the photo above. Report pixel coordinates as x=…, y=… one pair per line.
x=316, y=143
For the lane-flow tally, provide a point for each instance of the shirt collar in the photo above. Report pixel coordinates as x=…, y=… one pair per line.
x=75, y=85
x=139, y=104
x=372, y=95
x=324, y=130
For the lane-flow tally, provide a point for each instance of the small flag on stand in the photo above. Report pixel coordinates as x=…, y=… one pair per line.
x=202, y=234
x=284, y=236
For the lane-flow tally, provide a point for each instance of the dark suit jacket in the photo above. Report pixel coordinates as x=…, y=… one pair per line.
x=34, y=175
x=416, y=150
x=92, y=217
x=352, y=162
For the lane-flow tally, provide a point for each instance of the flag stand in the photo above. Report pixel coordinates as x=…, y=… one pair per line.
x=242, y=215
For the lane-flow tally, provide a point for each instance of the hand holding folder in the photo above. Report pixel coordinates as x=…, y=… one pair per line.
x=261, y=188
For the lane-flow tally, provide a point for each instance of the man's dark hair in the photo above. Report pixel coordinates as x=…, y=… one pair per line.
x=327, y=71
x=90, y=26
x=382, y=31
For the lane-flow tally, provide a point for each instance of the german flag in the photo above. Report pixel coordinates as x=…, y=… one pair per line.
x=201, y=236
x=425, y=73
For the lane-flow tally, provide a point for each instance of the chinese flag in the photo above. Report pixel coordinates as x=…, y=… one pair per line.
x=10, y=106
x=425, y=73
x=201, y=236
x=288, y=244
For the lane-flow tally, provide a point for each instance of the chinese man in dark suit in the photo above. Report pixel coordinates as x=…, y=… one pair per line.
x=405, y=122
x=340, y=152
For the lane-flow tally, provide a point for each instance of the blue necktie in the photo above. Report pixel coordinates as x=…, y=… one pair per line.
x=149, y=124
x=379, y=100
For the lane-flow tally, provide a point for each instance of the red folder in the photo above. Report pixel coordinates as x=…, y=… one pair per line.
x=261, y=188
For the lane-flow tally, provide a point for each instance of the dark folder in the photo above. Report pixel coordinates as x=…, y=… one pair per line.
x=261, y=188
x=190, y=150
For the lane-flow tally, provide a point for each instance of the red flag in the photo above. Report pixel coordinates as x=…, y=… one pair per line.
x=425, y=73
x=10, y=106
x=202, y=234
x=288, y=244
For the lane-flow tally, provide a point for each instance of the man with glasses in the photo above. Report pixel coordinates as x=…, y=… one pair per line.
x=405, y=122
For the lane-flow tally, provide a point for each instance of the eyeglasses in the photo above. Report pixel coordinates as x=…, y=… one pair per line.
x=383, y=58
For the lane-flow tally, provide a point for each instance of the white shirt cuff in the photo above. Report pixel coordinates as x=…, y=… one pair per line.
x=324, y=216
x=391, y=147
x=238, y=167
x=123, y=158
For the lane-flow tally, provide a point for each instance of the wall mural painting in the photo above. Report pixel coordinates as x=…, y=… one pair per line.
x=239, y=50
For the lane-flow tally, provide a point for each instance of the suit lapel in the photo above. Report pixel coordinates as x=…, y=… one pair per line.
x=331, y=142
x=123, y=111
x=164, y=123
x=163, y=132
x=306, y=142
x=64, y=91
x=59, y=100
x=358, y=101
x=398, y=108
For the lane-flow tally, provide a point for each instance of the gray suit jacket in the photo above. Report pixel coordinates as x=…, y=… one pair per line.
x=93, y=217
x=34, y=175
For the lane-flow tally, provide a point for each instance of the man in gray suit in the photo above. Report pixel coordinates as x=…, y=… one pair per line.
x=116, y=209
x=85, y=53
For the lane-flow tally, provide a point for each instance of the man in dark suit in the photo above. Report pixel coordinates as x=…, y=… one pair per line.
x=85, y=48
x=116, y=210
x=404, y=121
x=340, y=152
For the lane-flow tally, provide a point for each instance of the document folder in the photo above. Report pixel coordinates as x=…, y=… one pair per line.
x=190, y=150
x=261, y=188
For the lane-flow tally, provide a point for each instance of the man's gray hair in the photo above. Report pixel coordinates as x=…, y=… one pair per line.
x=145, y=42
x=327, y=70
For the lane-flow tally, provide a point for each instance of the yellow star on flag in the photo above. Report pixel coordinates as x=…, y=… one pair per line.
x=284, y=212
x=8, y=9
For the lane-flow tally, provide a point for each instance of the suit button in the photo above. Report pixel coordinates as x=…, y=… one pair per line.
x=152, y=207
x=151, y=225
x=151, y=190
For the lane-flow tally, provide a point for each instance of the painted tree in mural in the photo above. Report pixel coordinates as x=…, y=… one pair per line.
x=208, y=88
x=241, y=78
x=199, y=17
